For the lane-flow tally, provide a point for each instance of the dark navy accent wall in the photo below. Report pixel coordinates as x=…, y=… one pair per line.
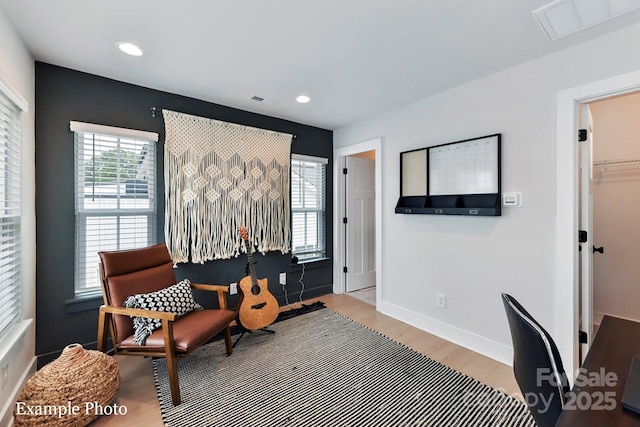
x=63, y=95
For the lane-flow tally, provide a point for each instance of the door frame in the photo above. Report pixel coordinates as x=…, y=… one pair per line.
x=565, y=295
x=353, y=239
x=339, y=285
x=585, y=275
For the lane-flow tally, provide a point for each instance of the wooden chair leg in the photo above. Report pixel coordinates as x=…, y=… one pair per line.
x=227, y=340
x=172, y=362
x=103, y=324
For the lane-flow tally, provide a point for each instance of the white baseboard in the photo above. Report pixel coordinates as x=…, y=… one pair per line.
x=6, y=415
x=493, y=349
x=598, y=316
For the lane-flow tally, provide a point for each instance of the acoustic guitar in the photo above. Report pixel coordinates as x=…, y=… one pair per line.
x=258, y=308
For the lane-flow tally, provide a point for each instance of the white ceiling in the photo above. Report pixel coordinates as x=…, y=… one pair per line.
x=355, y=58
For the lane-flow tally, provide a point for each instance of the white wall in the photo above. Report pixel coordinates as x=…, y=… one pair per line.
x=473, y=259
x=616, y=203
x=17, y=72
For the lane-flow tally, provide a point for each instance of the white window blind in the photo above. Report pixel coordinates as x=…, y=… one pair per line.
x=308, y=206
x=115, y=180
x=10, y=202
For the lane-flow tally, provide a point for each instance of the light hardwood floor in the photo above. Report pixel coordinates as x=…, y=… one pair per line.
x=137, y=391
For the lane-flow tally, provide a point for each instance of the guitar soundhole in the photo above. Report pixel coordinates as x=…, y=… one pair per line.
x=255, y=289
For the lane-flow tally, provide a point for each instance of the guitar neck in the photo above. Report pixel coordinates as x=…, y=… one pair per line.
x=252, y=270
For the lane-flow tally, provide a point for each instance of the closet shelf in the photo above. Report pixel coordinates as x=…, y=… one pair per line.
x=626, y=161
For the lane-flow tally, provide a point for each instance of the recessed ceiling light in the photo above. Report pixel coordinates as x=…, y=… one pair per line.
x=303, y=99
x=129, y=48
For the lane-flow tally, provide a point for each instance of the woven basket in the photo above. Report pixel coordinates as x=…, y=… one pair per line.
x=79, y=378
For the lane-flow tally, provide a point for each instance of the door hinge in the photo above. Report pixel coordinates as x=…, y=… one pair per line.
x=582, y=236
x=582, y=135
x=344, y=269
x=344, y=171
x=582, y=337
x=344, y=220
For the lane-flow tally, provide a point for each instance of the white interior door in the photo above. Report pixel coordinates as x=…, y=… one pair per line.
x=586, y=224
x=360, y=225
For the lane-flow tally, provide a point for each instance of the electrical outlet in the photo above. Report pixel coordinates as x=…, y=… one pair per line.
x=5, y=375
x=441, y=300
x=233, y=288
x=283, y=278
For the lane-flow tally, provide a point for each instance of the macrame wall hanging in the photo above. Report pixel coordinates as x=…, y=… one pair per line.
x=218, y=177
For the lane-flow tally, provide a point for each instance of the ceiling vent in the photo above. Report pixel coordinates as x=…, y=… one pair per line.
x=263, y=100
x=564, y=17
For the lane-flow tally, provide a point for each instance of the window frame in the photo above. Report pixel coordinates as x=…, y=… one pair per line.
x=11, y=200
x=307, y=255
x=83, y=214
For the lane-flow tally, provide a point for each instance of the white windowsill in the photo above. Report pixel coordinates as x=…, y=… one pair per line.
x=310, y=264
x=17, y=332
x=308, y=261
x=85, y=301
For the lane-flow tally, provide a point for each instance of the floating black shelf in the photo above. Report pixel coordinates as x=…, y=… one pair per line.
x=470, y=204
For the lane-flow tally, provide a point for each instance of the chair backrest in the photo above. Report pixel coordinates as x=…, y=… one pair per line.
x=130, y=272
x=536, y=364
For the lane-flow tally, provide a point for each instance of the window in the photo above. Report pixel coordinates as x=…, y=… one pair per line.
x=308, y=207
x=115, y=180
x=10, y=202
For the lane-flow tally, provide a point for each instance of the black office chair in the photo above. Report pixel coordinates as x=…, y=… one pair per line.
x=536, y=364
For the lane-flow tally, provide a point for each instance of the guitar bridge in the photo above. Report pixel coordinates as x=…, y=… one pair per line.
x=258, y=306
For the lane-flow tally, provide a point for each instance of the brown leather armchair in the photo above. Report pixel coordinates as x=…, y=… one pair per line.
x=150, y=269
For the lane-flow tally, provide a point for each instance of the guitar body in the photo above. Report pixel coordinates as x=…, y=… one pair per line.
x=259, y=310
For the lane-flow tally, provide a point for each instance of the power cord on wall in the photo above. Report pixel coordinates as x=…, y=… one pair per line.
x=301, y=282
x=294, y=260
x=286, y=295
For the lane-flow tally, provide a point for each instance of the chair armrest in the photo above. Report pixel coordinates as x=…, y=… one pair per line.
x=220, y=289
x=126, y=311
x=213, y=288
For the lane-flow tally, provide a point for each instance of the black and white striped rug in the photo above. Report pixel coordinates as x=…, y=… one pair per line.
x=323, y=369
